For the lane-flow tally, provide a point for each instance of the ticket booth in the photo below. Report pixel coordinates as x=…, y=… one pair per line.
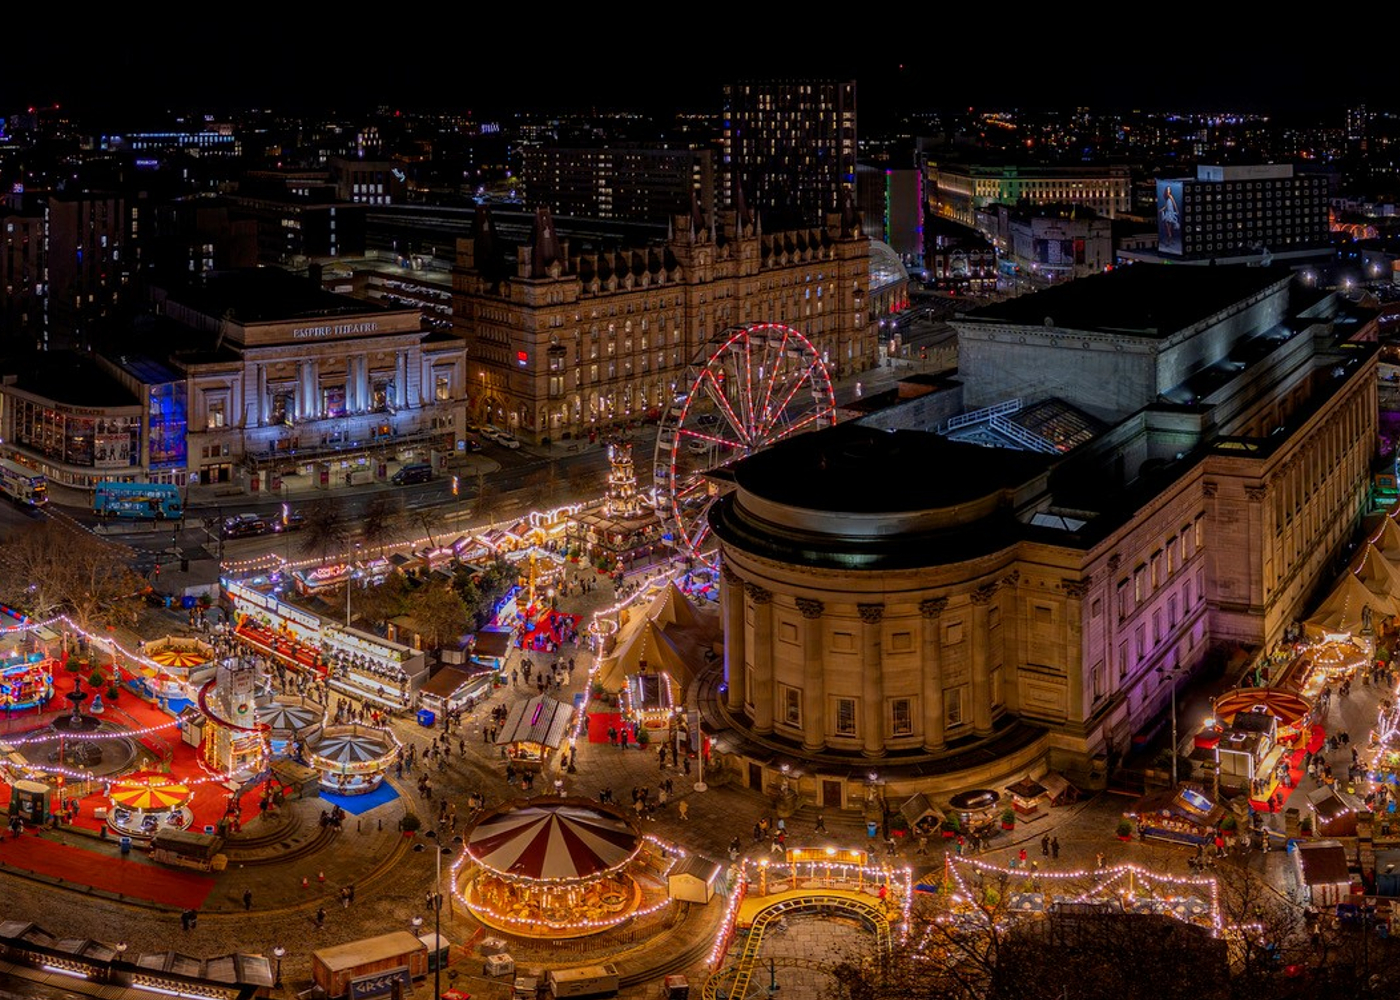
x=30, y=801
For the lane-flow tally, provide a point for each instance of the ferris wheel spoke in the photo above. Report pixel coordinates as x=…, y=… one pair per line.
x=774, y=365
x=711, y=439
x=716, y=393
x=803, y=378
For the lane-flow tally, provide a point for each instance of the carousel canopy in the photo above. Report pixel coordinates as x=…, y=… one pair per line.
x=362, y=747
x=289, y=718
x=1289, y=709
x=540, y=720
x=562, y=841
x=1344, y=611
x=150, y=792
x=180, y=658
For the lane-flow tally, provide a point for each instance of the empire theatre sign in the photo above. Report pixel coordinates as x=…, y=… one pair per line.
x=381, y=324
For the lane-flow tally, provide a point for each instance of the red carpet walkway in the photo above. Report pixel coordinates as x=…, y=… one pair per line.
x=185, y=890
x=1295, y=773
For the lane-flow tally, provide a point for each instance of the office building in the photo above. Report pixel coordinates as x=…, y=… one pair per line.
x=1035, y=610
x=565, y=343
x=789, y=148
x=630, y=184
x=960, y=191
x=1232, y=212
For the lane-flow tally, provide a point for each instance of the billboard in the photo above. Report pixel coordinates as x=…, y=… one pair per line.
x=1169, y=216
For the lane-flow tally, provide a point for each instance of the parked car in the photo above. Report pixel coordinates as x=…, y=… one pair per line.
x=492, y=433
x=472, y=445
x=508, y=441
x=419, y=472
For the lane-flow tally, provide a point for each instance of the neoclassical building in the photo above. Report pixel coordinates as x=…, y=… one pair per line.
x=953, y=616
x=563, y=343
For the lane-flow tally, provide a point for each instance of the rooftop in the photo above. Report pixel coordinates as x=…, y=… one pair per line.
x=68, y=377
x=1147, y=300
x=268, y=295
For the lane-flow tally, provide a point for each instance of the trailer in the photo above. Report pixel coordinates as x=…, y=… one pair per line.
x=583, y=982
x=371, y=966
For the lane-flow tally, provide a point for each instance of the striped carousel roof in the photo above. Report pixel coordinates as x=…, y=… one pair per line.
x=554, y=841
x=352, y=748
x=281, y=717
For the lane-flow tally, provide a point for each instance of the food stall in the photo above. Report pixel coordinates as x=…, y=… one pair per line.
x=1332, y=814
x=370, y=967
x=535, y=729
x=451, y=688
x=1026, y=796
x=1183, y=816
x=319, y=579
x=649, y=700
x=1324, y=876
x=491, y=646
x=976, y=810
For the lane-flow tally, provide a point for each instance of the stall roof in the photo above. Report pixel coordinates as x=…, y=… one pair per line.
x=1323, y=862
x=446, y=681
x=916, y=807
x=697, y=867
x=493, y=642
x=367, y=950
x=1327, y=803
x=540, y=720
x=1026, y=789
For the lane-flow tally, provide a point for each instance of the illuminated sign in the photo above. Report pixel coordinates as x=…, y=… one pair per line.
x=334, y=330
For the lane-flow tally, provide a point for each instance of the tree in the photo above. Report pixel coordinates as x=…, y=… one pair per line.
x=439, y=613
x=484, y=503
x=55, y=567
x=379, y=521
x=381, y=601
x=325, y=530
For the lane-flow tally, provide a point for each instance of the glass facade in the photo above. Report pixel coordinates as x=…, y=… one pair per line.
x=168, y=424
x=101, y=442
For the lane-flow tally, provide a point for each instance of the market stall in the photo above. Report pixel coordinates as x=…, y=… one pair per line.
x=274, y=628
x=1333, y=815
x=353, y=759
x=451, y=689
x=534, y=730
x=1185, y=815
x=320, y=579
x=491, y=647
x=1026, y=796
x=1324, y=875
x=649, y=700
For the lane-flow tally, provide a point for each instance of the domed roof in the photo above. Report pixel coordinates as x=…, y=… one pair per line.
x=885, y=266
x=553, y=840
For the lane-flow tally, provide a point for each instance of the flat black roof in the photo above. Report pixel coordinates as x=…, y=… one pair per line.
x=1146, y=300
x=68, y=377
x=268, y=295
x=856, y=469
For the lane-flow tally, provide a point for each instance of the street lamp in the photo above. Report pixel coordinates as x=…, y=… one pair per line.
x=1171, y=677
x=278, y=953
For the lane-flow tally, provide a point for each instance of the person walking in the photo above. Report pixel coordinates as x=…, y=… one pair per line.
x=320, y=917
x=1045, y=846
x=247, y=899
x=1055, y=848
x=683, y=807
x=821, y=822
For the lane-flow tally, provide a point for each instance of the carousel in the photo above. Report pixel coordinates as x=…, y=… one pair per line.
x=289, y=722
x=143, y=804
x=351, y=760
x=174, y=664
x=26, y=681
x=553, y=868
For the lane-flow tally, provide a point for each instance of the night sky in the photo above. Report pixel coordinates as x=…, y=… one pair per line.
x=351, y=61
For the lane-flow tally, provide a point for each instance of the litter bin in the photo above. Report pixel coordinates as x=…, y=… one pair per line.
x=426, y=718
x=872, y=829
x=126, y=845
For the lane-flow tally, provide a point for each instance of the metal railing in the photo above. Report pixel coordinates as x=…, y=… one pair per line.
x=984, y=414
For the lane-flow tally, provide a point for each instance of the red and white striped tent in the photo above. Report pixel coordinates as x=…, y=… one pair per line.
x=554, y=841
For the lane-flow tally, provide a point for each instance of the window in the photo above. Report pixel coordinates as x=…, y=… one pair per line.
x=1139, y=578
x=953, y=707
x=442, y=386
x=1122, y=600
x=1100, y=681
x=845, y=716
x=1140, y=642
x=901, y=717
x=792, y=706
x=216, y=414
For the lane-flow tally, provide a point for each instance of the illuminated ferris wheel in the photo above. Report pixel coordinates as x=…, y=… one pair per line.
x=754, y=386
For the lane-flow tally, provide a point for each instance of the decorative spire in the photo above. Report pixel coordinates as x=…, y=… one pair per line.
x=624, y=502
x=544, y=244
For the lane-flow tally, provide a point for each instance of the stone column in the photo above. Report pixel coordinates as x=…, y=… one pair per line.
x=1080, y=700
x=400, y=380
x=813, y=675
x=732, y=597
x=260, y=400
x=932, y=671
x=362, y=401
x=761, y=656
x=981, y=665
x=872, y=617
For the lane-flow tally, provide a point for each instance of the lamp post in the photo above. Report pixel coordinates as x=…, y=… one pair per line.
x=278, y=953
x=1171, y=678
